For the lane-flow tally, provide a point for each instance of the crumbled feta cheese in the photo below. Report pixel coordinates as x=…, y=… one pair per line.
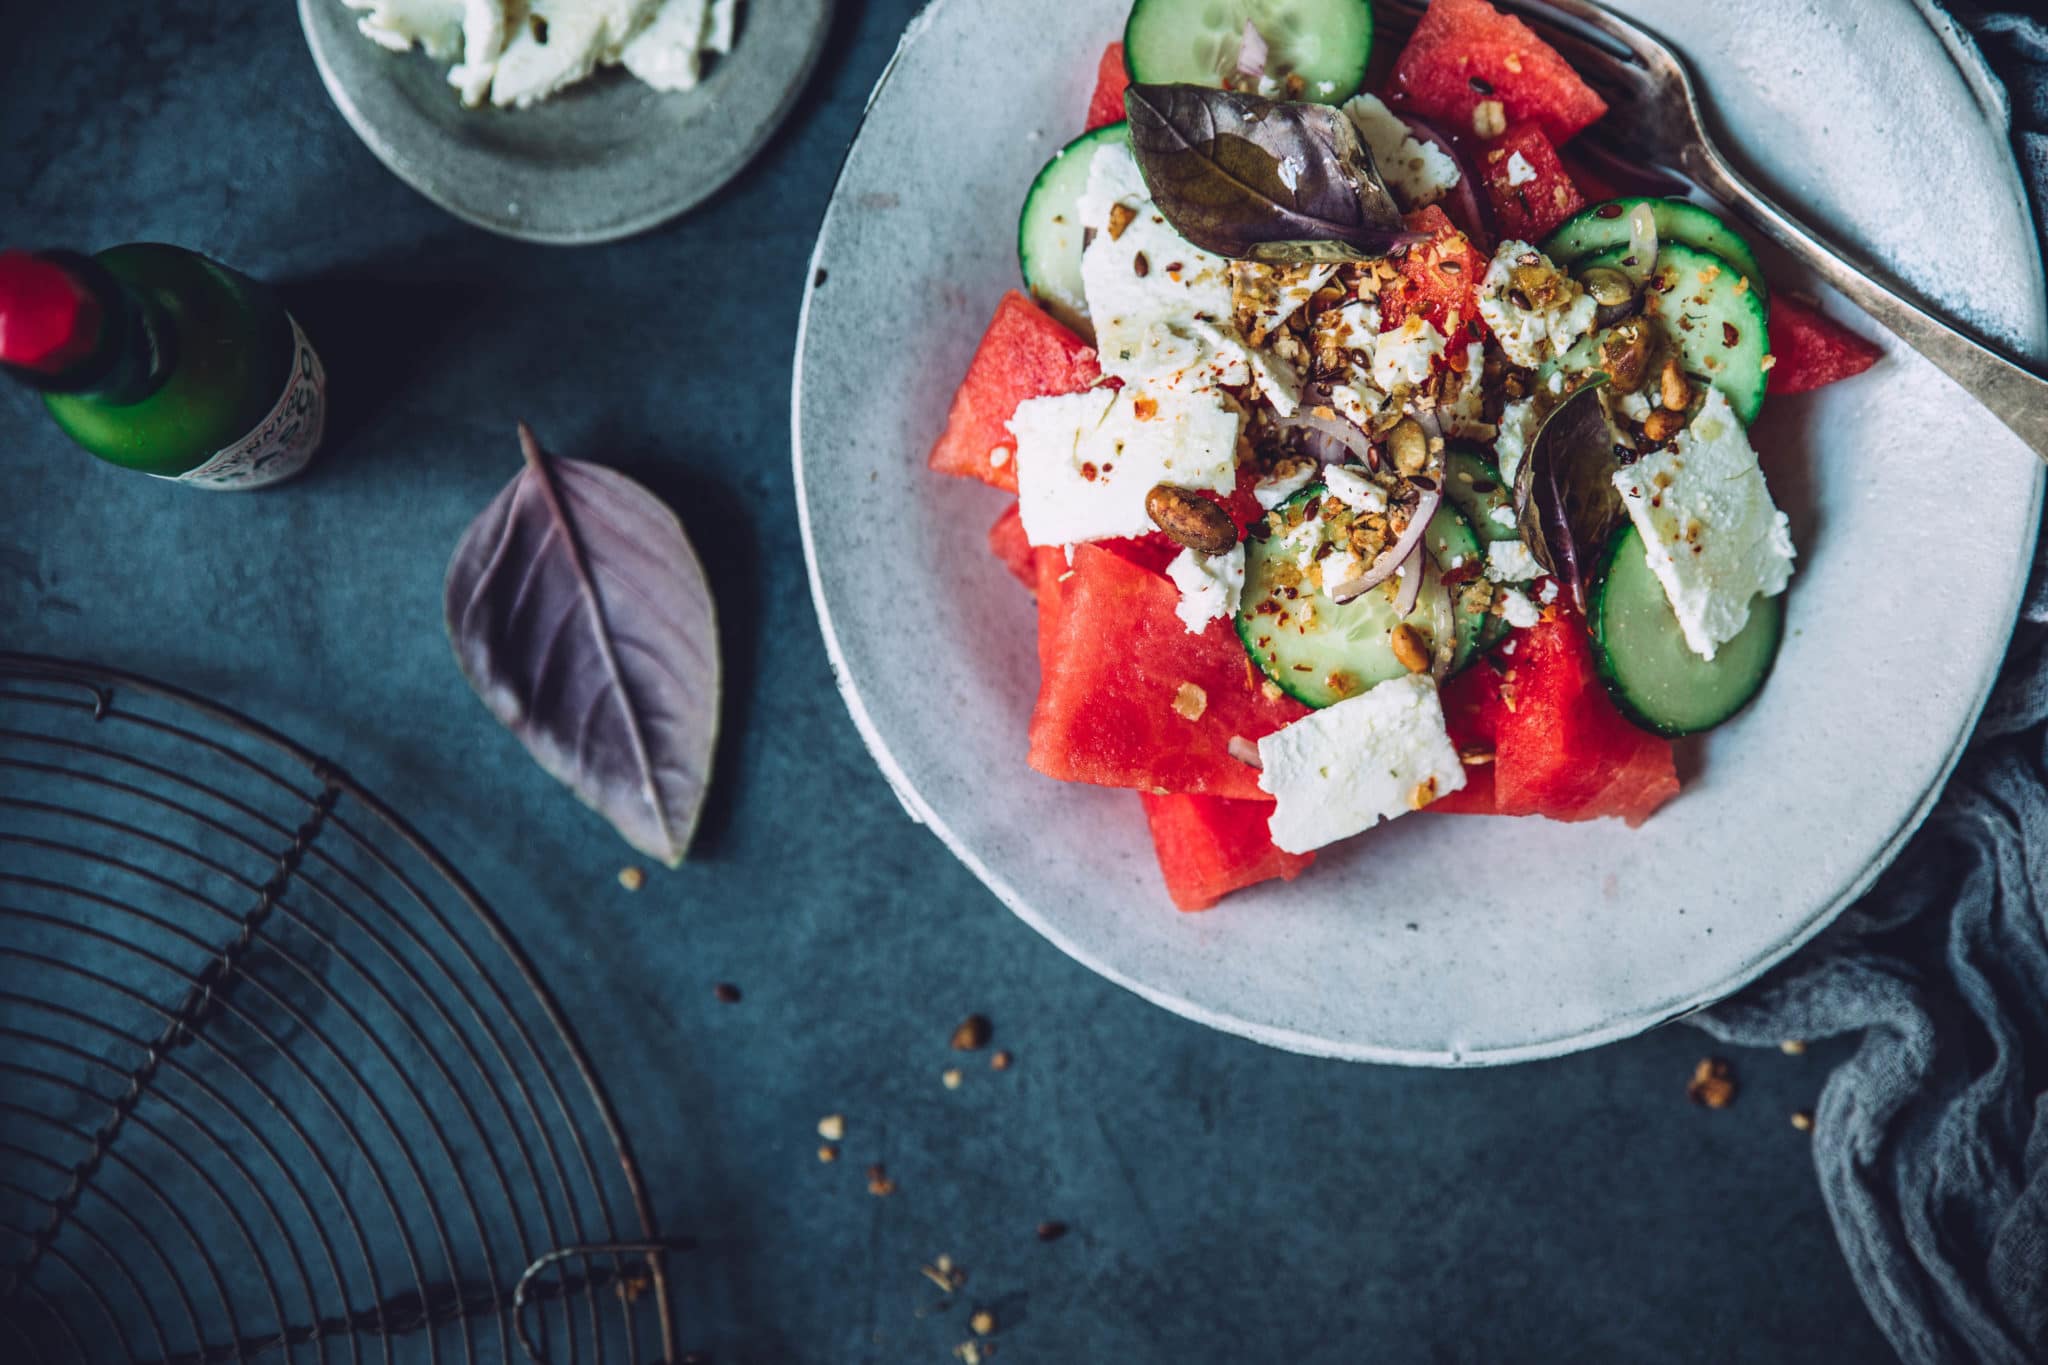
x=581, y=36
x=1085, y=461
x=1549, y=593
x=1419, y=172
x=1517, y=610
x=1465, y=414
x=1278, y=487
x=1531, y=335
x=1517, y=428
x=1345, y=768
x=1210, y=586
x=1339, y=567
x=469, y=33
x=1280, y=298
x=1351, y=487
x=1356, y=403
x=1520, y=172
x=1509, y=561
x=1404, y=355
x=1636, y=407
x=1714, y=537
x=1502, y=516
x=1556, y=383
x=1353, y=327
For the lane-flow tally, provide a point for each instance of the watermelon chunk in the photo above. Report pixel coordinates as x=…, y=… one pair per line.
x=1210, y=846
x=1472, y=716
x=1129, y=697
x=1466, y=51
x=1447, y=297
x=1562, y=749
x=1530, y=211
x=1106, y=105
x=1813, y=349
x=1024, y=354
x=1006, y=542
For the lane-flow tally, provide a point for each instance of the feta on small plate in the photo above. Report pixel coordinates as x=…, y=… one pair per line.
x=1714, y=537
x=1085, y=461
x=1531, y=331
x=1347, y=767
x=1419, y=172
x=1210, y=586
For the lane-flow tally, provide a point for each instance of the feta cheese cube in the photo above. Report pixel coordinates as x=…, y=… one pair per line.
x=1404, y=355
x=1353, y=327
x=1347, y=767
x=1714, y=537
x=1281, y=291
x=1530, y=335
x=1147, y=285
x=1517, y=610
x=1356, y=403
x=1417, y=172
x=1210, y=586
x=1517, y=428
x=1284, y=483
x=1350, y=487
x=1509, y=561
x=1085, y=461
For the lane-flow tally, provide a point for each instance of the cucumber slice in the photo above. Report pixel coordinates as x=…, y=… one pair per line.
x=1049, y=231
x=1318, y=651
x=1605, y=226
x=1473, y=485
x=1716, y=326
x=1652, y=673
x=1455, y=545
x=1195, y=42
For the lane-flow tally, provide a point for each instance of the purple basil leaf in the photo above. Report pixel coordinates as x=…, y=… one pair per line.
x=1260, y=179
x=580, y=614
x=1567, y=505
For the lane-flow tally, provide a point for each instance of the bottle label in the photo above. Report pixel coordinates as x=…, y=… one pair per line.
x=282, y=443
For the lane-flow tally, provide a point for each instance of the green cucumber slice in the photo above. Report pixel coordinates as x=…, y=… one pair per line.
x=1605, y=226
x=1716, y=326
x=1456, y=547
x=1049, y=230
x=1318, y=651
x=1195, y=42
x=1652, y=673
x=1473, y=485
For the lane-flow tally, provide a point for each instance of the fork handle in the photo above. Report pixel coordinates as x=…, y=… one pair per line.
x=2015, y=394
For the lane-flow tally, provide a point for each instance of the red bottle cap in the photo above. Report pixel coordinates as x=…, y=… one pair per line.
x=49, y=320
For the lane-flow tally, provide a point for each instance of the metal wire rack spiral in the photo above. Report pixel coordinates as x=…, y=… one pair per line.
x=275, y=1084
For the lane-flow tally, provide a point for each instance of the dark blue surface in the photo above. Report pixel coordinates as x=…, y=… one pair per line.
x=1227, y=1203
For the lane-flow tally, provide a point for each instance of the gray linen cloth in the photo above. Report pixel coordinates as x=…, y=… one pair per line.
x=1932, y=1141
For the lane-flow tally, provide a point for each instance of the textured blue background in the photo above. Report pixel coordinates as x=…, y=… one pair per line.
x=1227, y=1202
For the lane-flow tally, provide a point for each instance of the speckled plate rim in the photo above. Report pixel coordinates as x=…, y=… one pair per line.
x=412, y=173
x=1964, y=52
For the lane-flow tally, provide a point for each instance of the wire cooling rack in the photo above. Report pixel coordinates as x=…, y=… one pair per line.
x=275, y=1084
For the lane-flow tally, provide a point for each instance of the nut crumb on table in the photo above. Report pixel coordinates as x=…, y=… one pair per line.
x=1713, y=1084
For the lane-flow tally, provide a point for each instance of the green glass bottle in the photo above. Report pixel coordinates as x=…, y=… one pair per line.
x=157, y=359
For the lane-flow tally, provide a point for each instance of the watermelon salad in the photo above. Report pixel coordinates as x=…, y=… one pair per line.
x=1373, y=450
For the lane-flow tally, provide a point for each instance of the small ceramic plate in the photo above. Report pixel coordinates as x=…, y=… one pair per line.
x=1445, y=940
x=600, y=161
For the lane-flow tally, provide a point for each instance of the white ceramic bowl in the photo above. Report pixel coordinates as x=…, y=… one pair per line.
x=1444, y=940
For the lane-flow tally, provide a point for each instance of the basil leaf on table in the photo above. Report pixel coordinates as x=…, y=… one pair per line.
x=581, y=615
x=1260, y=179
x=1567, y=507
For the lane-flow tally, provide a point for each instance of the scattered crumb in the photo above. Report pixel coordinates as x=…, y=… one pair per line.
x=983, y=1322
x=1713, y=1084
x=969, y=1352
x=727, y=993
x=828, y=1153
x=973, y=1033
x=832, y=1127
x=1000, y=1062
x=1802, y=1120
x=943, y=1273
x=1051, y=1231
x=951, y=1077
x=1792, y=1047
x=632, y=878
x=879, y=1183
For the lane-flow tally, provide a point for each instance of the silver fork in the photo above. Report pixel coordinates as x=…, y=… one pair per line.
x=1654, y=118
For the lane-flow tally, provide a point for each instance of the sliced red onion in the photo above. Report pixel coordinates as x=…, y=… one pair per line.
x=1641, y=259
x=1469, y=210
x=1242, y=749
x=1339, y=430
x=1252, y=53
x=1391, y=558
x=1411, y=584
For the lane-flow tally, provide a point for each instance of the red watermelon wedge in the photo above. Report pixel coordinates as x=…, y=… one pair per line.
x=1530, y=210
x=1209, y=846
x=1111, y=80
x=1466, y=51
x=1006, y=542
x=1812, y=349
x=1024, y=354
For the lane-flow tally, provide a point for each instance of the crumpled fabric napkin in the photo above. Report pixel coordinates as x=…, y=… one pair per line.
x=1932, y=1141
